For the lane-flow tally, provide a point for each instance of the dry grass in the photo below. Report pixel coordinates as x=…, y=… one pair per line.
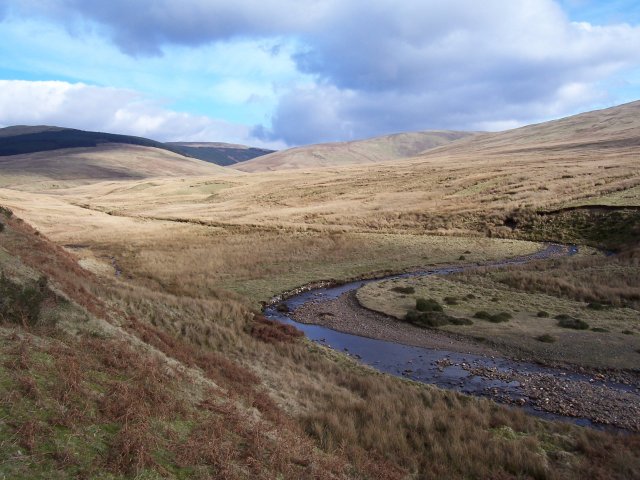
x=464, y=295
x=160, y=363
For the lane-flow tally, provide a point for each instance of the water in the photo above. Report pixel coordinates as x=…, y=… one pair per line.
x=437, y=367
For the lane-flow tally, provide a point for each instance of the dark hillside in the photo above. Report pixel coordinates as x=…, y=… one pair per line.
x=222, y=154
x=21, y=140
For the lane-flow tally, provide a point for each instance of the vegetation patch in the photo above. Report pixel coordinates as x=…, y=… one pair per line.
x=434, y=319
x=500, y=317
x=270, y=331
x=428, y=305
x=22, y=303
x=565, y=321
x=405, y=290
x=542, y=314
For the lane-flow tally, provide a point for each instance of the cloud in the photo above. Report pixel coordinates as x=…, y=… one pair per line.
x=386, y=66
x=87, y=107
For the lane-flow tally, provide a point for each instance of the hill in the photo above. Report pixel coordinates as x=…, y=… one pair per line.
x=361, y=152
x=224, y=154
x=608, y=129
x=22, y=139
x=104, y=162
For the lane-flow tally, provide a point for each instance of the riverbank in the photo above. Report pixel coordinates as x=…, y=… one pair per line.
x=605, y=398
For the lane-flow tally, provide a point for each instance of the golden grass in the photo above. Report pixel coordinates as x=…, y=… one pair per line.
x=181, y=243
x=371, y=425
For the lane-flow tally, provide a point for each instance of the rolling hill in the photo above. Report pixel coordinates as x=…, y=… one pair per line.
x=104, y=162
x=21, y=139
x=586, y=133
x=24, y=139
x=361, y=152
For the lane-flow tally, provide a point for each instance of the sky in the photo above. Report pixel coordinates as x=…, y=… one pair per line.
x=279, y=73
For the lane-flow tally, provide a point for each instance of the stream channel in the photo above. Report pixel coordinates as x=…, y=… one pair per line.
x=436, y=367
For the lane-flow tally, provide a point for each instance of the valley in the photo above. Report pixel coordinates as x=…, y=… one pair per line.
x=158, y=267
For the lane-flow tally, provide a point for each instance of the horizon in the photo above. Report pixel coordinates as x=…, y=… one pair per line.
x=288, y=74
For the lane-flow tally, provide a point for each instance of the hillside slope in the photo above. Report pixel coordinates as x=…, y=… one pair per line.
x=612, y=128
x=105, y=162
x=361, y=152
x=22, y=139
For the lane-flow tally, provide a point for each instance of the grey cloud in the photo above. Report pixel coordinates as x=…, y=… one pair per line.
x=388, y=66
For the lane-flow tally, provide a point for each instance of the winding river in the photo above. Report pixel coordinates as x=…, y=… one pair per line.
x=445, y=369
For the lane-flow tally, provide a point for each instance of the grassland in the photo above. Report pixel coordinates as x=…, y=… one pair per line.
x=132, y=382
x=176, y=265
x=611, y=340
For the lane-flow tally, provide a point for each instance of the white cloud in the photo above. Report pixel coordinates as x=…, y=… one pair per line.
x=87, y=107
x=383, y=66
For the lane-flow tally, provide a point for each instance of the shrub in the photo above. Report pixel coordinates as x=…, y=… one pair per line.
x=482, y=314
x=405, y=290
x=6, y=212
x=428, y=305
x=427, y=319
x=462, y=257
x=628, y=332
x=434, y=319
x=1, y=227
x=543, y=314
x=573, y=323
x=22, y=303
x=546, y=338
x=470, y=296
x=599, y=329
x=493, y=318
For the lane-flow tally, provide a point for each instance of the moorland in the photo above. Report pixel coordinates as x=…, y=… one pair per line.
x=132, y=342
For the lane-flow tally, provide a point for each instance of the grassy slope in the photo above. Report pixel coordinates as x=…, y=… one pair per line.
x=379, y=149
x=60, y=168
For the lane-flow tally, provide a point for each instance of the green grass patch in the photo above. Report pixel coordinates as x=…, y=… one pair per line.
x=434, y=319
x=428, y=305
x=500, y=317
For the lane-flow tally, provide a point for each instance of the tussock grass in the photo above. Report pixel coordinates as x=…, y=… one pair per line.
x=531, y=313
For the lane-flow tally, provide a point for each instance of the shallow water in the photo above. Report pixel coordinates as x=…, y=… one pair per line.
x=437, y=367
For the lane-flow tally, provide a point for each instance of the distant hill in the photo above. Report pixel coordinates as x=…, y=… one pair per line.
x=224, y=154
x=112, y=161
x=373, y=150
x=35, y=154
x=606, y=130
x=21, y=139
x=24, y=139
